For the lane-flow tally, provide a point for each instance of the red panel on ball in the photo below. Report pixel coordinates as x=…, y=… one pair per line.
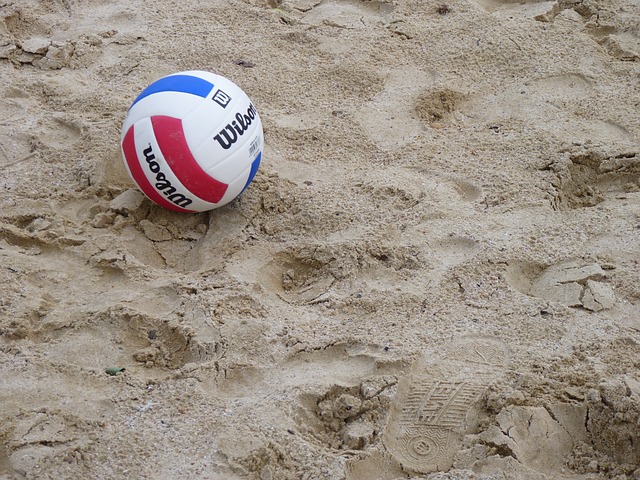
x=175, y=150
x=131, y=156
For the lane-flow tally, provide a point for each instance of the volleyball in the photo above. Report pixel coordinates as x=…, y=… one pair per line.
x=192, y=141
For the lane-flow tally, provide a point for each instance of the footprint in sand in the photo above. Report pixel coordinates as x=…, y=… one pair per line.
x=15, y=142
x=84, y=327
x=390, y=119
x=548, y=104
x=587, y=177
x=549, y=96
x=531, y=8
x=437, y=404
x=572, y=283
x=566, y=86
x=148, y=346
x=296, y=279
x=575, y=285
x=61, y=132
x=350, y=14
x=615, y=32
x=333, y=367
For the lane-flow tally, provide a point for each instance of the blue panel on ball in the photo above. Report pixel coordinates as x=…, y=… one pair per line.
x=177, y=83
x=254, y=169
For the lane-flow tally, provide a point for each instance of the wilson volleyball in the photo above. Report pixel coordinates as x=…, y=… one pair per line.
x=192, y=141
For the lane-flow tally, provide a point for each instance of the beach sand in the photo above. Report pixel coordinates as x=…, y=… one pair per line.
x=434, y=275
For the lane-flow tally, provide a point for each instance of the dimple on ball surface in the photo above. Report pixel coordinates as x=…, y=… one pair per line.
x=192, y=141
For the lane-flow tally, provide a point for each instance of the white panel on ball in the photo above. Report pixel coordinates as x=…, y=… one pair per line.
x=171, y=104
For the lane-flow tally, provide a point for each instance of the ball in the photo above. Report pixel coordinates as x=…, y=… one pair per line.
x=192, y=141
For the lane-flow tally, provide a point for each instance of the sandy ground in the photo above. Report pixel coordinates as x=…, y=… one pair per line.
x=435, y=273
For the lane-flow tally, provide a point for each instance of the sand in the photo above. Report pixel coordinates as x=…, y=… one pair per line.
x=434, y=275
